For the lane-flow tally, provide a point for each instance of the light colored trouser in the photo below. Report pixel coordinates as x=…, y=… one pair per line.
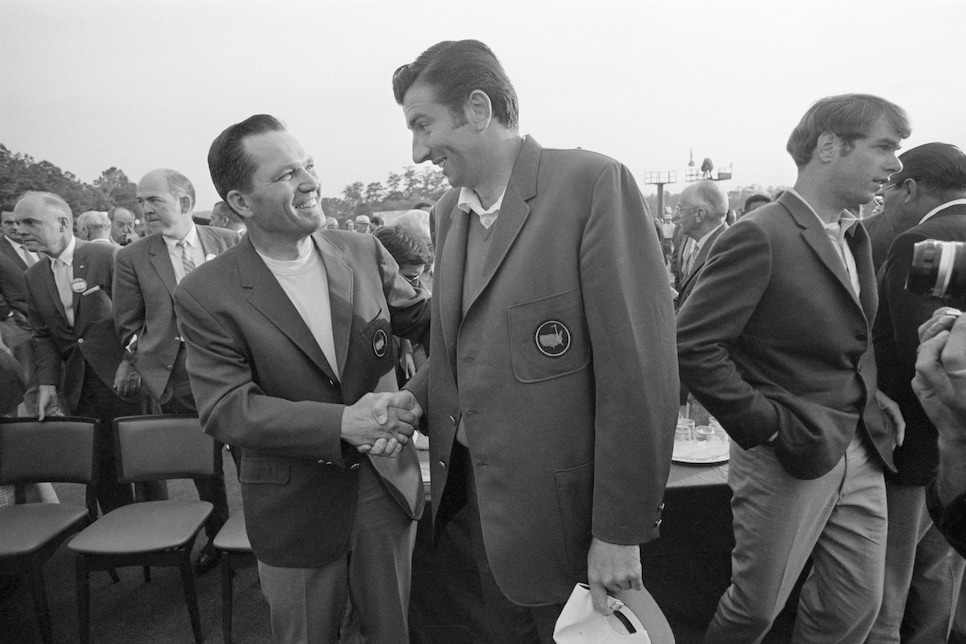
x=839, y=519
x=308, y=605
x=923, y=574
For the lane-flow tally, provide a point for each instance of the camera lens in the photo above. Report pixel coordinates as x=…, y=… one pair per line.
x=938, y=268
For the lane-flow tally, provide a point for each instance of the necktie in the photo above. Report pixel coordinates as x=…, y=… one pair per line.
x=689, y=254
x=62, y=277
x=186, y=260
x=28, y=257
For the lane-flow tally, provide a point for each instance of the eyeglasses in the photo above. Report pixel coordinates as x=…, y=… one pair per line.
x=413, y=279
x=679, y=209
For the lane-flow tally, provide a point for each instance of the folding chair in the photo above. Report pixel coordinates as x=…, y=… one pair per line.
x=231, y=540
x=152, y=533
x=59, y=450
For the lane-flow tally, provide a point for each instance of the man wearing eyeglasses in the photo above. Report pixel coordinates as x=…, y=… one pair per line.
x=926, y=200
x=701, y=214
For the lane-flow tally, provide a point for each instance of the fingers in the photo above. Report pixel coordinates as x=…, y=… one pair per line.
x=598, y=595
x=942, y=320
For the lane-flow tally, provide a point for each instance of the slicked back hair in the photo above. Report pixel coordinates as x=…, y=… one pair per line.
x=455, y=69
x=848, y=116
x=230, y=166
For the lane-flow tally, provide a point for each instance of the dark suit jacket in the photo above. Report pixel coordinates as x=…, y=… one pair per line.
x=692, y=278
x=773, y=339
x=8, y=251
x=261, y=382
x=897, y=339
x=144, y=301
x=563, y=369
x=61, y=350
x=13, y=291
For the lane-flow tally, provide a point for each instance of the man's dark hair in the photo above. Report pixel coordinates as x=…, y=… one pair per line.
x=456, y=68
x=940, y=168
x=848, y=116
x=756, y=198
x=230, y=166
x=404, y=245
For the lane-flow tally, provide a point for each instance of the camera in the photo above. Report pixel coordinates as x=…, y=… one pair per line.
x=938, y=268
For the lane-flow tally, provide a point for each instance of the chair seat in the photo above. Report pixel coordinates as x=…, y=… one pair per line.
x=233, y=537
x=143, y=527
x=26, y=528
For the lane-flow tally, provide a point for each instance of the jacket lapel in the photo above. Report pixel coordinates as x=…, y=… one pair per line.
x=50, y=286
x=80, y=273
x=161, y=261
x=449, y=281
x=339, y=278
x=268, y=297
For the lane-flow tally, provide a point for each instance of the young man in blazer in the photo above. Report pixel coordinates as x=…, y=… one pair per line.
x=80, y=359
x=552, y=388
x=775, y=341
x=288, y=334
x=148, y=272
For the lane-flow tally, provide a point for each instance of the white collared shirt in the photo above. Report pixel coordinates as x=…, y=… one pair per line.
x=195, y=250
x=937, y=209
x=836, y=234
x=469, y=201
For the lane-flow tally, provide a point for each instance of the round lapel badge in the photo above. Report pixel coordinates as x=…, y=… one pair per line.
x=380, y=343
x=79, y=285
x=552, y=338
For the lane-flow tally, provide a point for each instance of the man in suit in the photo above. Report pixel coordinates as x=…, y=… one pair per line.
x=224, y=217
x=122, y=226
x=81, y=362
x=552, y=387
x=148, y=271
x=15, y=258
x=94, y=226
x=700, y=212
x=775, y=341
x=927, y=200
x=288, y=334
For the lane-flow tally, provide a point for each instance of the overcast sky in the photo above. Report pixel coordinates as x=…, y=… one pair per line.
x=141, y=84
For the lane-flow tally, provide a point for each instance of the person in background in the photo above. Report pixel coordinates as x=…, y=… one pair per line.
x=926, y=200
x=755, y=201
x=122, y=226
x=222, y=216
x=147, y=274
x=331, y=223
x=362, y=224
x=94, y=226
x=701, y=214
x=15, y=331
x=775, y=342
x=552, y=390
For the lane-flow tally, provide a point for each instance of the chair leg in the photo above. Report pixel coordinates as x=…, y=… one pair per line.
x=83, y=601
x=36, y=580
x=188, y=581
x=227, y=592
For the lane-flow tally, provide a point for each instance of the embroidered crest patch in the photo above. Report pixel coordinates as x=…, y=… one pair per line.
x=552, y=338
x=380, y=343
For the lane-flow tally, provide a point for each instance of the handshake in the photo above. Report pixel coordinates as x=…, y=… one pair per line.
x=380, y=424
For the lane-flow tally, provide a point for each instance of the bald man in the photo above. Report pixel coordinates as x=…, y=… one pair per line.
x=94, y=226
x=701, y=213
x=122, y=226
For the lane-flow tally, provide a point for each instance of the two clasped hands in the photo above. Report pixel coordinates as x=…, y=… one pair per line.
x=380, y=424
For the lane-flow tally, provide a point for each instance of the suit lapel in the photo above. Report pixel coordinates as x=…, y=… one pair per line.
x=268, y=297
x=702, y=257
x=339, y=278
x=817, y=239
x=513, y=212
x=80, y=273
x=449, y=281
x=12, y=253
x=161, y=260
x=47, y=275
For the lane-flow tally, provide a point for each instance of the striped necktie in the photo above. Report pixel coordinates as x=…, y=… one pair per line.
x=186, y=260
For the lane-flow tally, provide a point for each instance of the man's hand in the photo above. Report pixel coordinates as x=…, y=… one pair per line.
x=127, y=381
x=940, y=381
x=612, y=567
x=381, y=424
x=891, y=409
x=48, y=404
x=406, y=362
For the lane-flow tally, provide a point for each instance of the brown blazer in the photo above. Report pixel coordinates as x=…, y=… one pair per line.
x=773, y=339
x=261, y=382
x=562, y=369
x=144, y=302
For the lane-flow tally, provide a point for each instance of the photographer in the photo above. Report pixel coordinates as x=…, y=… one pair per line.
x=940, y=384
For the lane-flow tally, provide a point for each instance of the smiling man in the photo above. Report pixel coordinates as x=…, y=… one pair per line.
x=147, y=274
x=289, y=336
x=775, y=341
x=552, y=388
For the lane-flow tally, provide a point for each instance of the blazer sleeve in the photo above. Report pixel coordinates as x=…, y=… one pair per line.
x=630, y=320
x=42, y=342
x=712, y=319
x=128, y=300
x=233, y=407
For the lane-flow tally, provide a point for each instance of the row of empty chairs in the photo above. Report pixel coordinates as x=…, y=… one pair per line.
x=146, y=534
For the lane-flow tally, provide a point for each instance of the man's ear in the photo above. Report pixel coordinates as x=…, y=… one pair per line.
x=910, y=189
x=479, y=109
x=238, y=202
x=827, y=145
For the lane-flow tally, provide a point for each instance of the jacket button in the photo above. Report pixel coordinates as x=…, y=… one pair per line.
x=657, y=524
x=442, y=465
x=354, y=466
x=80, y=340
x=452, y=419
x=660, y=508
x=861, y=337
x=322, y=461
